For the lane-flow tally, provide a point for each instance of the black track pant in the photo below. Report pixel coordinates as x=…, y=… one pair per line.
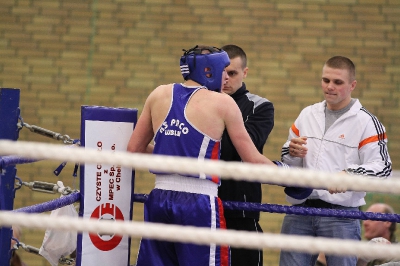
x=240, y=256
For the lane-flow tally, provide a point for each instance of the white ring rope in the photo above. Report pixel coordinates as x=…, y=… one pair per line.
x=197, y=235
x=234, y=170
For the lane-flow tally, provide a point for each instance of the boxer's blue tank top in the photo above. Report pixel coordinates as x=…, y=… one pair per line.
x=178, y=137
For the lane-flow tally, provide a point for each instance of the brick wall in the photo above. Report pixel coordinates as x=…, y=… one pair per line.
x=64, y=54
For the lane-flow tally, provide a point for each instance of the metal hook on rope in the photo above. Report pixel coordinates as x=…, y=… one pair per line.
x=47, y=133
x=16, y=245
x=66, y=261
x=18, y=183
x=46, y=187
x=31, y=249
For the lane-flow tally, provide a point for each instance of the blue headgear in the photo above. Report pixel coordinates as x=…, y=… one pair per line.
x=205, y=69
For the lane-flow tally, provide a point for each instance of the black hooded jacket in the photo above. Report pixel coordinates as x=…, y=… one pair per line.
x=258, y=117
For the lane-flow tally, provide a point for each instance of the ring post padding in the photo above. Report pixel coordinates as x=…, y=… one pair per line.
x=9, y=113
x=107, y=191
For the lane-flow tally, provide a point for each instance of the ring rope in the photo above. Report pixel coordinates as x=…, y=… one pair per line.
x=276, y=208
x=307, y=211
x=203, y=236
x=235, y=170
x=50, y=205
x=12, y=160
x=157, y=231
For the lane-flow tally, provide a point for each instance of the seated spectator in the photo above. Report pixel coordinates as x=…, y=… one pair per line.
x=374, y=229
x=378, y=232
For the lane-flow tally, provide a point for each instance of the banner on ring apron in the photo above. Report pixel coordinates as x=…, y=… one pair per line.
x=106, y=190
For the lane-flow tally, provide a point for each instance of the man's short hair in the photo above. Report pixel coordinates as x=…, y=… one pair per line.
x=235, y=51
x=341, y=62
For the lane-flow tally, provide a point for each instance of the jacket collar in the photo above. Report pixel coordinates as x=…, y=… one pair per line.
x=240, y=92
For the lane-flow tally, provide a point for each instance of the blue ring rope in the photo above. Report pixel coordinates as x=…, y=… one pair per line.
x=52, y=204
x=231, y=205
x=274, y=208
x=13, y=160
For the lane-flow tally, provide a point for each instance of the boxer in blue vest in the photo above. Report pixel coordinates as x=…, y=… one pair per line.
x=188, y=119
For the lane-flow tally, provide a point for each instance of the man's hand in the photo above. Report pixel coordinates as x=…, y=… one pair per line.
x=338, y=189
x=297, y=147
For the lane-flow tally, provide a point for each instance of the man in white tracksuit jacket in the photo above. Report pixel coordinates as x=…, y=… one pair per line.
x=335, y=135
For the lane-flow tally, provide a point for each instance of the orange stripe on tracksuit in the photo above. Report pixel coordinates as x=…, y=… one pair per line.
x=372, y=139
x=295, y=130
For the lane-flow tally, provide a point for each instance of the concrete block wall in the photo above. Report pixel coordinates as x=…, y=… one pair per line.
x=64, y=54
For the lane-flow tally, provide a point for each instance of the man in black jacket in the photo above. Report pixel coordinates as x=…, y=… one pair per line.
x=258, y=117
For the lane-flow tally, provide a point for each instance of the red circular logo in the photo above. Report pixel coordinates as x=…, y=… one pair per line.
x=106, y=211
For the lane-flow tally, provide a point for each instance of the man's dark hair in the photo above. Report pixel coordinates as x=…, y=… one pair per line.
x=234, y=51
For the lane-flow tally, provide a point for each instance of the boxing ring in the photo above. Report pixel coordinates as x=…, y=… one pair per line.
x=104, y=192
x=31, y=151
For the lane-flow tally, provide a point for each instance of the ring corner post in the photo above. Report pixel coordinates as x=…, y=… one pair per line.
x=9, y=114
